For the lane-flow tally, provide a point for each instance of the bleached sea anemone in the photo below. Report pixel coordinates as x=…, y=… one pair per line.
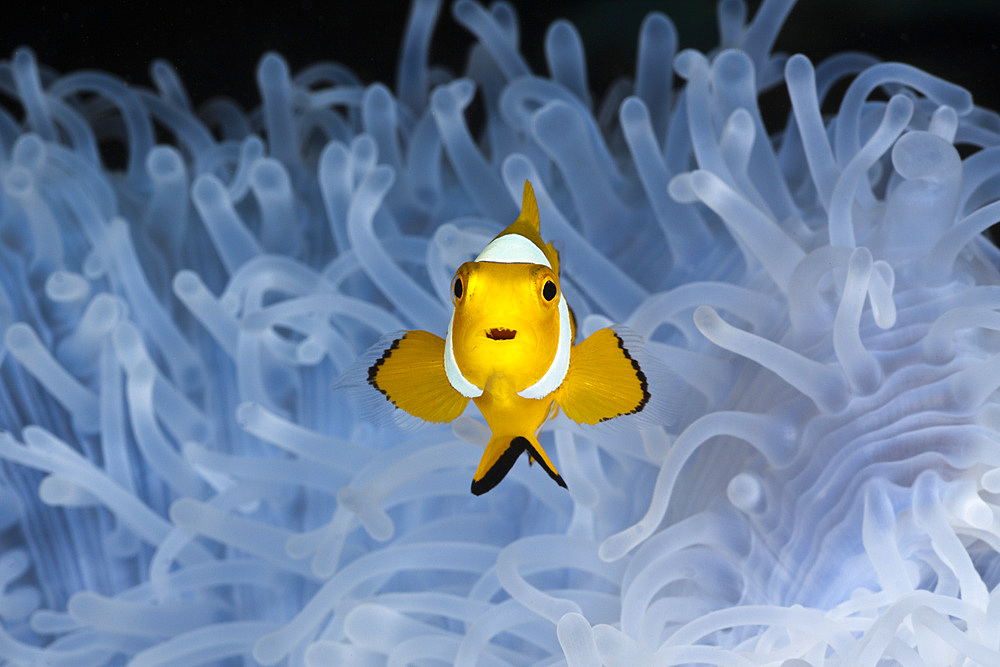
x=181, y=485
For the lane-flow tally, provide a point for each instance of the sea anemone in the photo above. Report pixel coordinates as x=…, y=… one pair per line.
x=182, y=486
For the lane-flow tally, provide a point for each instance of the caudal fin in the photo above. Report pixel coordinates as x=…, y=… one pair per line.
x=501, y=453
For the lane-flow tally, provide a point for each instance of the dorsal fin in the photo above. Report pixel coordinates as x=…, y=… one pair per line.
x=529, y=207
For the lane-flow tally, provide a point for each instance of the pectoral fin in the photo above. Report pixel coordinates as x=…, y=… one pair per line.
x=603, y=380
x=499, y=457
x=410, y=374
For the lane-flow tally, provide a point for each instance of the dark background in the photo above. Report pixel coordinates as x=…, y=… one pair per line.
x=215, y=45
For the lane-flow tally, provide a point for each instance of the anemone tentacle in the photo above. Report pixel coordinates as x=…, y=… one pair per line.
x=181, y=485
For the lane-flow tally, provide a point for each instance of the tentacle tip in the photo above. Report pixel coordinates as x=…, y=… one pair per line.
x=560, y=30
x=707, y=320
x=657, y=26
x=633, y=110
x=464, y=10
x=615, y=547
x=206, y=188
x=272, y=67
x=163, y=161
x=267, y=650
x=186, y=283
x=681, y=190
x=24, y=57
x=798, y=66
x=686, y=61
x=19, y=336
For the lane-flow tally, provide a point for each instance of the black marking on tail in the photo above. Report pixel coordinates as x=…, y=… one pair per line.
x=541, y=461
x=501, y=467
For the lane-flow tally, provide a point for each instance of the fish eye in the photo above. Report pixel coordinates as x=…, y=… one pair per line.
x=456, y=287
x=549, y=290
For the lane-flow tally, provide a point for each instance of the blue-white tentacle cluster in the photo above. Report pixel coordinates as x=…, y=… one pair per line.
x=181, y=485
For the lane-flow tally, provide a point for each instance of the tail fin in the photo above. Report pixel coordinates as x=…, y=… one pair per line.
x=501, y=453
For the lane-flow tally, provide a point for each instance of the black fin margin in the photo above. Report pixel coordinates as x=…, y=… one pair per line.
x=501, y=467
x=541, y=461
x=373, y=404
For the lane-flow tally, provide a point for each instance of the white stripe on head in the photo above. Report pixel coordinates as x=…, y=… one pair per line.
x=513, y=249
x=454, y=373
x=553, y=377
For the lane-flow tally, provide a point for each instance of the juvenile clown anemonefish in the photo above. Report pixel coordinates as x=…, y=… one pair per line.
x=509, y=348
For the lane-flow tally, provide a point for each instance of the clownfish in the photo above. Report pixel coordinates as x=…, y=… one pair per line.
x=510, y=348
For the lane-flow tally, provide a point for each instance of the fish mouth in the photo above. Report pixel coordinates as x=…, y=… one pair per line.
x=501, y=333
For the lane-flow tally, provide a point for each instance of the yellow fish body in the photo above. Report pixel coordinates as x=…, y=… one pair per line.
x=509, y=348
